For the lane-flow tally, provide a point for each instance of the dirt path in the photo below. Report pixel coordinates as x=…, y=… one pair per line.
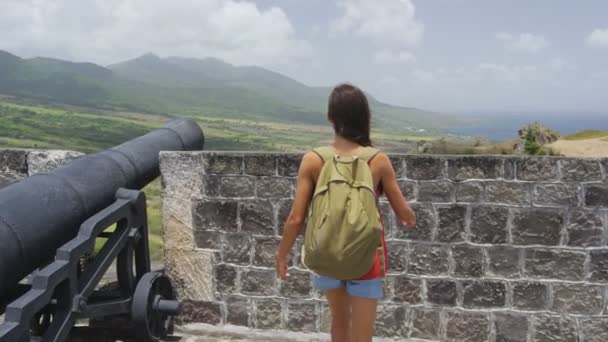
x=582, y=148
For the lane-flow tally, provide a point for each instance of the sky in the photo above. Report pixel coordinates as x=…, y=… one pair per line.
x=461, y=56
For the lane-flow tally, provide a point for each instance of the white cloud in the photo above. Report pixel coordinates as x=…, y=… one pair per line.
x=386, y=22
x=423, y=75
x=598, y=38
x=390, y=56
x=110, y=30
x=525, y=42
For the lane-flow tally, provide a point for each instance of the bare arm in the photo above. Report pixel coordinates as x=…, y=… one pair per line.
x=391, y=188
x=295, y=220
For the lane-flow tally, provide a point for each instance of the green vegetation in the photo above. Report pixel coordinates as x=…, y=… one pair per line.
x=590, y=134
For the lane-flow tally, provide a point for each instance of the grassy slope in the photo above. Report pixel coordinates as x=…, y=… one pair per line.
x=590, y=134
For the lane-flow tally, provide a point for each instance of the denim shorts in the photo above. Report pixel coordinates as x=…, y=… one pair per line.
x=371, y=288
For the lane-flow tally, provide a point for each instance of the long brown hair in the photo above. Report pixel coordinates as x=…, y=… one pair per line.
x=349, y=112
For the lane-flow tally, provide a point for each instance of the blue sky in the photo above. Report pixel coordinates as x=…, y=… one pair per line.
x=447, y=55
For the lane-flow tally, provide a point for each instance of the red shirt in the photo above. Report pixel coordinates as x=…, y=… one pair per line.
x=377, y=270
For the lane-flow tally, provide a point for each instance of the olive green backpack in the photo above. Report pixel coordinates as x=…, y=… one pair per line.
x=344, y=228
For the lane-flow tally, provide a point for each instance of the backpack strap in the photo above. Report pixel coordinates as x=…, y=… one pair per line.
x=325, y=153
x=367, y=153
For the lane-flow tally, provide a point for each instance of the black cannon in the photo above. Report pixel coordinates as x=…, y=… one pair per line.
x=50, y=269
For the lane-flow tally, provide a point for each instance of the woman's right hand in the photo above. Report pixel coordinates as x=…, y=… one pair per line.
x=410, y=221
x=282, y=267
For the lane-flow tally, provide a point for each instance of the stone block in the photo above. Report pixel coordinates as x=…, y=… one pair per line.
x=302, y=316
x=388, y=219
x=470, y=192
x=441, y=292
x=425, y=323
x=537, y=226
x=579, y=170
x=45, y=161
x=556, y=194
x=594, y=329
x=510, y=167
x=391, y=321
x=488, y=224
x=503, y=261
x=200, y=312
x=13, y=161
x=463, y=168
x=236, y=249
x=258, y=282
x=283, y=210
x=408, y=189
x=211, y=185
x=510, y=327
x=511, y=193
x=578, y=299
x=585, y=228
x=238, y=311
x=260, y=165
x=425, y=223
x=225, y=278
x=265, y=251
x=596, y=195
x=424, y=168
x=268, y=313
x=598, y=267
x=554, y=264
x=537, y=169
x=289, y=164
x=428, y=260
x=484, y=294
x=223, y=164
x=208, y=239
x=257, y=217
x=467, y=326
x=406, y=289
x=554, y=329
x=397, y=256
x=468, y=260
x=436, y=191
x=298, y=285
x=398, y=164
x=530, y=296
x=215, y=214
x=237, y=187
x=451, y=225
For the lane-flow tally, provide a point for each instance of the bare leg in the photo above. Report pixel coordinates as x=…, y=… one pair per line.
x=363, y=317
x=340, y=314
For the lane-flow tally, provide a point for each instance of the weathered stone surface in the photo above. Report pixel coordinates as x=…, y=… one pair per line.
x=200, y=312
x=428, y=260
x=467, y=326
x=537, y=169
x=578, y=170
x=258, y=282
x=441, y=292
x=425, y=223
x=288, y=164
x=468, y=261
x=408, y=189
x=265, y=251
x=236, y=249
x=554, y=329
x=510, y=327
x=223, y=164
x=537, y=226
x=238, y=311
x=424, y=168
x=596, y=195
x=511, y=193
x=215, y=214
x=211, y=185
x=530, y=296
x=503, y=261
x=577, y=299
x=488, y=224
x=398, y=164
x=325, y=318
x=283, y=210
x=462, y=168
x=298, y=285
x=274, y=187
x=510, y=167
x=436, y=191
x=426, y=323
x=397, y=256
x=260, y=165
x=208, y=239
x=225, y=278
x=406, y=289
x=484, y=294
x=191, y=273
x=257, y=217
x=13, y=161
x=391, y=321
x=554, y=264
x=556, y=194
x=594, y=329
x=470, y=192
x=45, y=161
x=388, y=219
x=268, y=313
x=451, y=226
x=7, y=179
x=598, y=267
x=301, y=316
x=237, y=186
x=585, y=228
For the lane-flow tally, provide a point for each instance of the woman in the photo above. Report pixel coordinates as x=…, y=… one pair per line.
x=352, y=303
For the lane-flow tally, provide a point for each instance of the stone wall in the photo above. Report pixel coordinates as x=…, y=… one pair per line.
x=16, y=164
x=506, y=248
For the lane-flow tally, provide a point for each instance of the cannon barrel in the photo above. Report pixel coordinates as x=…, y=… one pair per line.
x=41, y=213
